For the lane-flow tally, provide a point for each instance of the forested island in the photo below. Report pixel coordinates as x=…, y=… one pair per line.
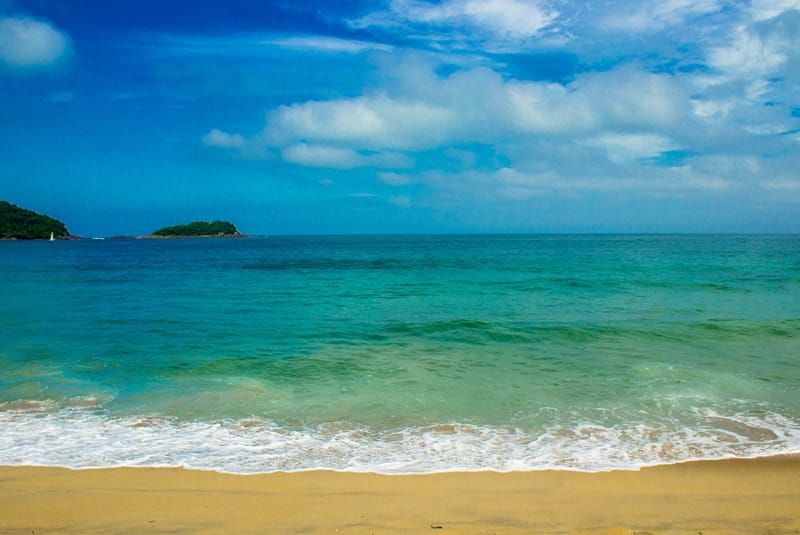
x=20, y=224
x=198, y=229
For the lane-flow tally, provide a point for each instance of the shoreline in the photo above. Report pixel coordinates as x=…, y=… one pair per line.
x=724, y=497
x=777, y=457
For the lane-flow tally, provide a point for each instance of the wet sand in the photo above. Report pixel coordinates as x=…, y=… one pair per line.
x=709, y=498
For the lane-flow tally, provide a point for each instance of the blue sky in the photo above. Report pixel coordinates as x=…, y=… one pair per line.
x=403, y=115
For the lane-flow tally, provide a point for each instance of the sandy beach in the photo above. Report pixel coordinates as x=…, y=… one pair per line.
x=709, y=498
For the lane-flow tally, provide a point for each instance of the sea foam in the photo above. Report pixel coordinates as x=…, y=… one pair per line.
x=83, y=438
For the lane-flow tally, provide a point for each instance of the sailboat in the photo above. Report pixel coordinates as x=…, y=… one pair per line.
x=51, y=237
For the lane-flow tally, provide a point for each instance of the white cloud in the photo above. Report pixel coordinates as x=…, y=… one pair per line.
x=602, y=131
x=339, y=158
x=634, y=98
x=707, y=109
x=499, y=19
x=252, y=45
x=328, y=44
x=622, y=116
x=518, y=184
x=714, y=82
x=506, y=18
x=767, y=9
x=26, y=43
x=758, y=54
x=756, y=70
x=368, y=122
x=320, y=156
x=651, y=16
x=622, y=148
x=513, y=184
x=624, y=97
x=549, y=108
x=476, y=105
x=218, y=138
x=749, y=55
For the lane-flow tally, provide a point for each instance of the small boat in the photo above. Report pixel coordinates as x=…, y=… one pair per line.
x=51, y=237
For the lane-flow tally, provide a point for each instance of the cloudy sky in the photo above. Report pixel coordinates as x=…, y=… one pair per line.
x=403, y=116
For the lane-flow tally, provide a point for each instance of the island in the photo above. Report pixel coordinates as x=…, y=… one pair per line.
x=21, y=224
x=198, y=229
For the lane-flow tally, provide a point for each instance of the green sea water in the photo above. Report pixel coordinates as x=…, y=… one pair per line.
x=399, y=353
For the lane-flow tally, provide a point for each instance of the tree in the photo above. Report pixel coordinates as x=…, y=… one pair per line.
x=199, y=228
x=20, y=224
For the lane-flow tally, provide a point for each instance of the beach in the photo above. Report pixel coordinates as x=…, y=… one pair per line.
x=400, y=267
x=710, y=497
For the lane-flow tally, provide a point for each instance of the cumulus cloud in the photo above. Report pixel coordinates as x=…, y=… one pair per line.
x=635, y=98
x=368, y=122
x=218, y=138
x=623, y=148
x=320, y=156
x=625, y=97
x=623, y=115
x=339, y=158
x=620, y=130
x=477, y=105
x=553, y=108
x=29, y=43
x=624, y=128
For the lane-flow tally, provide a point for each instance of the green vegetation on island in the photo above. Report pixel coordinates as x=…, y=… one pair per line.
x=20, y=224
x=198, y=229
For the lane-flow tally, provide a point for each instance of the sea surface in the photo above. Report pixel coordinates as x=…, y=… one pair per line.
x=399, y=354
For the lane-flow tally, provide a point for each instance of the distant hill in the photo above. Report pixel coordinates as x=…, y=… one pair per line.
x=198, y=229
x=20, y=224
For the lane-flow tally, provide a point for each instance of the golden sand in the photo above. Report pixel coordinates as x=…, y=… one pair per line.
x=709, y=498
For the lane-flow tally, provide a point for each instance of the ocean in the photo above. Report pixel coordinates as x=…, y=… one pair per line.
x=399, y=354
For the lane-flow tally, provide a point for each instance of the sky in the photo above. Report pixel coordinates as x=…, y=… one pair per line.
x=403, y=116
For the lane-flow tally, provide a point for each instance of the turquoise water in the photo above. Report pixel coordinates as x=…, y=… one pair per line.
x=399, y=354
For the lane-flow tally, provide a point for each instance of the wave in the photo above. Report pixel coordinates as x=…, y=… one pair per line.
x=82, y=437
x=306, y=264
x=550, y=331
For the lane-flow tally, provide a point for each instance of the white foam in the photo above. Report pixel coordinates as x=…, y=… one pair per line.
x=78, y=437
